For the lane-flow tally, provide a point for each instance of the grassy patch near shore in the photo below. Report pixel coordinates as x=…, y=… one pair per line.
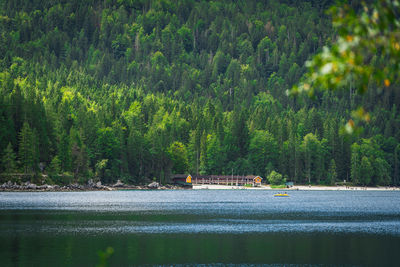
x=278, y=186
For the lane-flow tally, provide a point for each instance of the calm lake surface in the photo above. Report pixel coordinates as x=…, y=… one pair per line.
x=207, y=227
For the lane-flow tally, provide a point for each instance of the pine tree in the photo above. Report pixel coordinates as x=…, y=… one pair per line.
x=64, y=151
x=8, y=161
x=27, y=149
x=366, y=171
x=332, y=175
x=396, y=165
x=55, y=166
x=203, y=153
x=355, y=163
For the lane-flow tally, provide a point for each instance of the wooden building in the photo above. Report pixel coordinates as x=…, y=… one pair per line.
x=182, y=180
x=234, y=180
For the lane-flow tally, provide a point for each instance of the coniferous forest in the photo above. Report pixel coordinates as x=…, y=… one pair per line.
x=141, y=90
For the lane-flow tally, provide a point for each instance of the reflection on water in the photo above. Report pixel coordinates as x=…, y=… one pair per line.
x=200, y=227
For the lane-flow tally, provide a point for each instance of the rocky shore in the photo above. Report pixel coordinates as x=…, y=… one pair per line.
x=90, y=186
x=98, y=186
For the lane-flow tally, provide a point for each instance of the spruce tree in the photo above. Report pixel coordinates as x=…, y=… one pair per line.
x=55, y=166
x=8, y=160
x=332, y=175
x=27, y=148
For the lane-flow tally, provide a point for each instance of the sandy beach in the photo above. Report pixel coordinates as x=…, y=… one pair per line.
x=297, y=187
x=226, y=187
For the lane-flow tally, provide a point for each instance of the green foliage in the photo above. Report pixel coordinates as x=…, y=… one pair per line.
x=104, y=256
x=65, y=178
x=9, y=160
x=135, y=91
x=369, y=155
x=27, y=149
x=361, y=37
x=101, y=168
x=262, y=151
x=281, y=186
x=64, y=152
x=332, y=174
x=186, y=36
x=178, y=154
x=365, y=171
x=215, y=155
x=275, y=178
x=367, y=52
x=314, y=155
x=55, y=166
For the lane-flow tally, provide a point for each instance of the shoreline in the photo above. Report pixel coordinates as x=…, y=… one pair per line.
x=344, y=188
x=295, y=188
x=29, y=187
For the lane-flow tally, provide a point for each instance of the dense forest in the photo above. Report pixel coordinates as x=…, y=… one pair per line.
x=141, y=90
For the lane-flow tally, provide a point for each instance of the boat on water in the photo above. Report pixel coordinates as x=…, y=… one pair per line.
x=281, y=195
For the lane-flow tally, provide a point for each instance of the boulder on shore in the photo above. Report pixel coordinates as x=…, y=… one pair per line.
x=31, y=186
x=118, y=184
x=91, y=183
x=153, y=185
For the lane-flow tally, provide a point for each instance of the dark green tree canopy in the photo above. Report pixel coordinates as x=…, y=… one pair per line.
x=142, y=90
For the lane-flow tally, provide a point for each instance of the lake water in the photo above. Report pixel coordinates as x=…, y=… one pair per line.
x=200, y=227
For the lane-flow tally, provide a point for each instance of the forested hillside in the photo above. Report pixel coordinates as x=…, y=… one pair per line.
x=141, y=90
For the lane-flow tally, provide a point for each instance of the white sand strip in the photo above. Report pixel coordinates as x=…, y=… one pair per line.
x=297, y=187
x=344, y=188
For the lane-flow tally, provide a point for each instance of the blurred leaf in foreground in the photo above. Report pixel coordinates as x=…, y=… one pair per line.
x=104, y=256
x=367, y=52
